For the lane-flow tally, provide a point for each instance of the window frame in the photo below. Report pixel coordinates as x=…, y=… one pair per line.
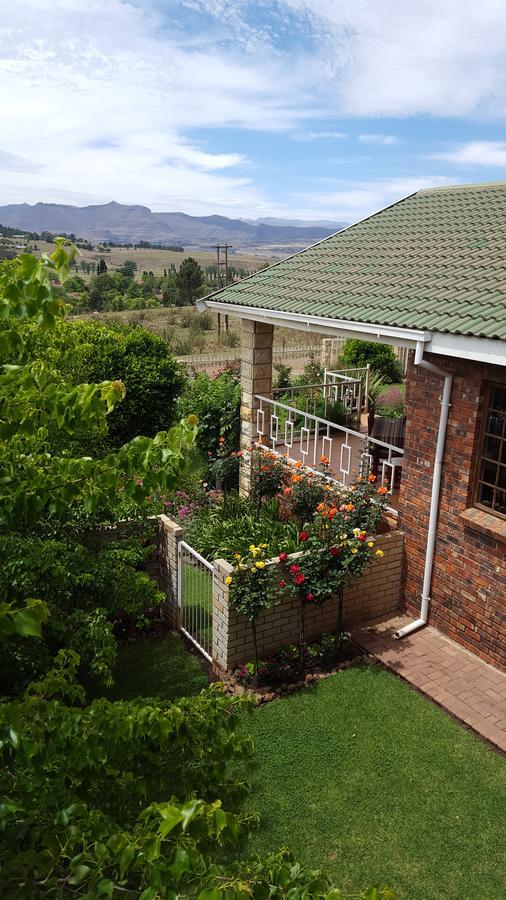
x=478, y=482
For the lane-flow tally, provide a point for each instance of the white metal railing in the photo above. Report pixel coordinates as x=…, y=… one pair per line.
x=350, y=387
x=307, y=437
x=195, y=597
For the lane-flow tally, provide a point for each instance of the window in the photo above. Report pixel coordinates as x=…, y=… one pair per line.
x=491, y=486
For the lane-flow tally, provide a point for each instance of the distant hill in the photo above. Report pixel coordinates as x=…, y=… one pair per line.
x=119, y=223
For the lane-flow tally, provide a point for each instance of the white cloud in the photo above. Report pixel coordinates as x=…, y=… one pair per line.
x=475, y=153
x=106, y=104
x=351, y=201
x=388, y=58
x=385, y=139
x=322, y=135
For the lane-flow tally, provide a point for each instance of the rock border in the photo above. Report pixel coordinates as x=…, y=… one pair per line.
x=267, y=694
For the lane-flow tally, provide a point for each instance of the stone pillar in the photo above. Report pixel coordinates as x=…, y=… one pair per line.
x=256, y=378
x=169, y=535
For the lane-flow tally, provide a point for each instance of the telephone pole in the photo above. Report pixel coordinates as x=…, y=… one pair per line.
x=219, y=263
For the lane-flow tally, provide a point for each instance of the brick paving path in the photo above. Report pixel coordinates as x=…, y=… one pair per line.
x=467, y=687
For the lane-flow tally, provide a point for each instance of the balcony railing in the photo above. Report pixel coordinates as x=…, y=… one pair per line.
x=303, y=435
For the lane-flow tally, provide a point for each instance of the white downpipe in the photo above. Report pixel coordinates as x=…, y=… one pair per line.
x=436, y=483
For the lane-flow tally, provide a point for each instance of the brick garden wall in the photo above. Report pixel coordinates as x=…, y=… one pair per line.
x=375, y=594
x=468, y=596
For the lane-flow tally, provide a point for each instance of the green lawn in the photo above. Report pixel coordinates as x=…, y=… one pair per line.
x=364, y=779
x=158, y=667
x=197, y=614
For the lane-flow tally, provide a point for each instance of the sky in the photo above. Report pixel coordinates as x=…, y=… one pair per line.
x=323, y=110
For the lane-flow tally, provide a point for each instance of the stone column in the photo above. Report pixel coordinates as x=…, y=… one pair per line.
x=169, y=535
x=256, y=378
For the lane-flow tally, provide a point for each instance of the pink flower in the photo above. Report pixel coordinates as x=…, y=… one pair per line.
x=282, y=557
x=334, y=551
x=300, y=578
x=309, y=597
x=282, y=584
x=303, y=536
x=294, y=568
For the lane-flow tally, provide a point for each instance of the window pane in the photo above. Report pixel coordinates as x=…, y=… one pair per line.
x=485, y=495
x=495, y=422
x=488, y=472
x=498, y=398
x=492, y=448
x=502, y=477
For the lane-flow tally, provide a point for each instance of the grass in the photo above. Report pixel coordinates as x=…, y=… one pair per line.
x=158, y=667
x=198, y=603
x=364, y=779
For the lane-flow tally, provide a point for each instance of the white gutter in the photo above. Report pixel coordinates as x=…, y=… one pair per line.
x=436, y=483
x=402, y=337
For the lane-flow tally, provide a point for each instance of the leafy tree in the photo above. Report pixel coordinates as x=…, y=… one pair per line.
x=144, y=364
x=190, y=279
x=216, y=402
x=128, y=268
x=75, y=283
x=380, y=357
x=34, y=404
x=101, y=266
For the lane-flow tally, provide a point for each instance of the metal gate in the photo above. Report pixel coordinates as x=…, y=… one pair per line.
x=195, y=598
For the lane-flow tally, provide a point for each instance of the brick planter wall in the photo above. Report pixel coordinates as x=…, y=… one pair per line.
x=375, y=594
x=468, y=595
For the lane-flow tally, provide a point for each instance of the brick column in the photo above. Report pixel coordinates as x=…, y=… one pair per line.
x=169, y=536
x=256, y=378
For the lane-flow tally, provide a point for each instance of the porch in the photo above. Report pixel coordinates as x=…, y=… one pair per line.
x=326, y=425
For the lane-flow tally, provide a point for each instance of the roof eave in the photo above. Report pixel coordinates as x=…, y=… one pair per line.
x=387, y=334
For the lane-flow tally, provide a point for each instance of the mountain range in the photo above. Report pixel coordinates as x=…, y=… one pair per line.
x=123, y=224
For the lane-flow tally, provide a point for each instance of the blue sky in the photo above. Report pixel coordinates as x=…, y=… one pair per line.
x=313, y=109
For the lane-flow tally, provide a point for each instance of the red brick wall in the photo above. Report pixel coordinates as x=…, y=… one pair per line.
x=468, y=594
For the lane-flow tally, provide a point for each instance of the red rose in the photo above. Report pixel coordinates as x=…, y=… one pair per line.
x=361, y=537
x=309, y=597
x=300, y=578
x=282, y=584
x=282, y=557
x=335, y=551
x=303, y=536
x=294, y=568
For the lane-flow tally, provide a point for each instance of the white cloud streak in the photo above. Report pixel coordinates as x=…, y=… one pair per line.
x=383, y=139
x=475, y=153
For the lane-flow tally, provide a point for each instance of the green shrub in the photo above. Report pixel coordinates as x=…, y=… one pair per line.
x=216, y=402
x=380, y=357
x=283, y=374
x=88, y=592
x=140, y=359
x=231, y=339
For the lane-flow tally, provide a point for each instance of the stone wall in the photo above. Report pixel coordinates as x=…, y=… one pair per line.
x=468, y=594
x=375, y=594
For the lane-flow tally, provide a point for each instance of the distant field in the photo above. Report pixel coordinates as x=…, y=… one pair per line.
x=157, y=260
x=178, y=326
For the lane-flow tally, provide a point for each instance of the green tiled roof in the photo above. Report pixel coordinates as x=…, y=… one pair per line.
x=435, y=261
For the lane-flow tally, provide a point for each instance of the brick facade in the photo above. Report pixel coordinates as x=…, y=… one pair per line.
x=468, y=594
x=375, y=594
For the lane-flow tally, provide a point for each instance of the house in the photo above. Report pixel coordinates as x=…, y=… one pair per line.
x=428, y=274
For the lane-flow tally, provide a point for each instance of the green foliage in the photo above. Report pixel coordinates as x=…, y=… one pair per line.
x=231, y=526
x=283, y=374
x=24, y=620
x=268, y=473
x=216, y=403
x=86, y=592
x=142, y=360
x=380, y=357
x=305, y=496
x=190, y=279
x=128, y=268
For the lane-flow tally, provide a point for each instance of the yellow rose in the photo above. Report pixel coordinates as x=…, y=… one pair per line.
x=260, y=565
x=237, y=555
x=370, y=543
x=354, y=550
x=379, y=553
x=228, y=579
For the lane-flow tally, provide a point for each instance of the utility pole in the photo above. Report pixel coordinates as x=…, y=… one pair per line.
x=219, y=263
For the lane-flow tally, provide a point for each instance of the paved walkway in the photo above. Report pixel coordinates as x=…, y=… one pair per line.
x=457, y=680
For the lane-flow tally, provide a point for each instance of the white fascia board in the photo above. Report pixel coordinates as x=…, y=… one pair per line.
x=386, y=334
x=461, y=346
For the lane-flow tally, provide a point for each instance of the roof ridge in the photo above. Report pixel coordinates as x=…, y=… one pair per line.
x=472, y=186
